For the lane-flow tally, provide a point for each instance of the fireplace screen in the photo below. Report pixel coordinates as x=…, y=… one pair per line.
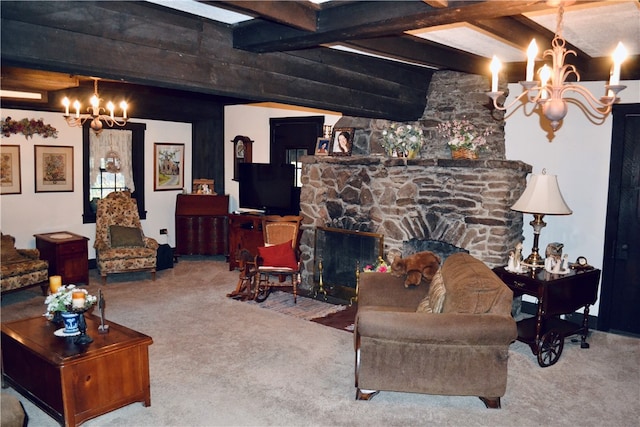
x=341, y=252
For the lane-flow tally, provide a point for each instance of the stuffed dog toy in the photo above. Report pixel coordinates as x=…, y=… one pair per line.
x=421, y=265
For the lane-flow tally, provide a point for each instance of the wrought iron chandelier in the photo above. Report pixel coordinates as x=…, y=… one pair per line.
x=549, y=92
x=95, y=112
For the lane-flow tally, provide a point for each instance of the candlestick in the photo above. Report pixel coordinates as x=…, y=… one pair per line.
x=495, y=68
x=54, y=283
x=532, y=51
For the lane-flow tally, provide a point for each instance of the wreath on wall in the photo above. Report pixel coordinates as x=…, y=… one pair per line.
x=28, y=127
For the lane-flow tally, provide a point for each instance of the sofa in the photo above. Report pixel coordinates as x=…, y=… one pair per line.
x=450, y=337
x=21, y=268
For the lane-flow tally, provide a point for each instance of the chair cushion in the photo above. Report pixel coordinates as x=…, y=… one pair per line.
x=280, y=255
x=125, y=237
x=434, y=300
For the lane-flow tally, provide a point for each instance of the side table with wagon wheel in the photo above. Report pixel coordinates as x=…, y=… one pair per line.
x=557, y=294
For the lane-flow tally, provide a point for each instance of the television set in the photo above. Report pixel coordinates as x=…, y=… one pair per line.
x=267, y=188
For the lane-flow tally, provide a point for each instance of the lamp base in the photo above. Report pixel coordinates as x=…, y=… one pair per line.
x=534, y=260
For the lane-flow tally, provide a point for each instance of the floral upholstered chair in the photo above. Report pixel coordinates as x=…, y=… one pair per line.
x=120, y=244
x=21, y=268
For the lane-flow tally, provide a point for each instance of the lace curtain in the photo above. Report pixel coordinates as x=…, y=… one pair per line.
x=111, y=149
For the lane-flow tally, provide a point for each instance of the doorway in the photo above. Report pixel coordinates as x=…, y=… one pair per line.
x=620, y=295
x=292, y=138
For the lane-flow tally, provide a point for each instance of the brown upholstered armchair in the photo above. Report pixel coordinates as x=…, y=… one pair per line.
x=120, y=244
x=21, y=268
x=449, y=338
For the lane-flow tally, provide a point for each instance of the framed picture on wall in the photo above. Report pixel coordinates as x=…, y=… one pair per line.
x=53, y=168
x=168, y=166
x=322, y=146
x=10, y=182
x=342, y=141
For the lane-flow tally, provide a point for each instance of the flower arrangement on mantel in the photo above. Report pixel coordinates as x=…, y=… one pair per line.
x=28, y=127
x=463, y=137
x=380, y=267
x=402, y=139
x=68, y=298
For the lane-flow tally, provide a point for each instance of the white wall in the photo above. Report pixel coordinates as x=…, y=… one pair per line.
x=253, y=121
x=23, y=215
x=579, y=155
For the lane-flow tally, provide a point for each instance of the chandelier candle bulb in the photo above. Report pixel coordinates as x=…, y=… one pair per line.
x=532, y=52
x=545, y=74
x=619, y=55
x=123, y=106
x=66, y=104
x=495, y=69
x=76, y=105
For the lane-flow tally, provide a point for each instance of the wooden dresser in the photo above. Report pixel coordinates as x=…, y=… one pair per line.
x=202, y=224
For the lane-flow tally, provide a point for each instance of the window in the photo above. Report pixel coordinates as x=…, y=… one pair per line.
x=293, y=157
x=120, y=166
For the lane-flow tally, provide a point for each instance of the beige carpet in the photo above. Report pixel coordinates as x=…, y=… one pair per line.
x=220, y=362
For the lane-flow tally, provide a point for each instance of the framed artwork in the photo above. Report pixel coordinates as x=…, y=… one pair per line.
x=168, y=170
x=10, y=169
x=53, y=168
x=322, y=146
x=342, y=141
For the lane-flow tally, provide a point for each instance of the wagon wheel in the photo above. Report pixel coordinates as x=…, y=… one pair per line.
x=550, y=348
x=263, y=293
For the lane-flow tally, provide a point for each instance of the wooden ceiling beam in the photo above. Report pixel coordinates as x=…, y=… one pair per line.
x=358, y=20
x=300, y=15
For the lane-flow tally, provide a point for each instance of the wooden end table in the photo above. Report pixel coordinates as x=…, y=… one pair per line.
x=557, y=294
x=75, y=383
x=67, y=254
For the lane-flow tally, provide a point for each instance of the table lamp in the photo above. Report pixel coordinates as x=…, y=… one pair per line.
x=541, y=197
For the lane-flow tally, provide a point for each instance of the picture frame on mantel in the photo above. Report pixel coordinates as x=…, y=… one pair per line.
x=322, y=146
x=53, y=168
x=342, y=141
x=10, y=176
x=168, y=166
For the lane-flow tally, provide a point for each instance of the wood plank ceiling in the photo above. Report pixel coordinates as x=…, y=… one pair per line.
x=177, y=65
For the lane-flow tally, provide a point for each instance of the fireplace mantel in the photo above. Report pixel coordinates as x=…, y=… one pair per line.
x=466, y=203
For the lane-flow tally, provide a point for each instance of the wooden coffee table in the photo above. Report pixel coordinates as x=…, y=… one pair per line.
x=75, y=383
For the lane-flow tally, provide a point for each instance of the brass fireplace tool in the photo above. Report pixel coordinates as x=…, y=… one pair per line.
x=320, y=289
x=355, y=298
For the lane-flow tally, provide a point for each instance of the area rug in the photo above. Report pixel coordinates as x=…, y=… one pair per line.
x=305, y=308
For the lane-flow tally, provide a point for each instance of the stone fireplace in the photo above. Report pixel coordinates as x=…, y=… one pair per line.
x=465, y=203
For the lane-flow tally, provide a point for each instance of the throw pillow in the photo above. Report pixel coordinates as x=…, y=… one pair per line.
x=434, y=300
x=280, y=255
x=123, y=237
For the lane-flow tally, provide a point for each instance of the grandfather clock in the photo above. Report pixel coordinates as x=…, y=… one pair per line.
x=242, y=148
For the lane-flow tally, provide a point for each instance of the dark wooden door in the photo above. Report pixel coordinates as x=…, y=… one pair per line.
x=620, y=295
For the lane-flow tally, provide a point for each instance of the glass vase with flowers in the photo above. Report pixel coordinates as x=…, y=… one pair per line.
x=402, y=140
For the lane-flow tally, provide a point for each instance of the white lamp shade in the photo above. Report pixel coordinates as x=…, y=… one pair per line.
x=542, y=196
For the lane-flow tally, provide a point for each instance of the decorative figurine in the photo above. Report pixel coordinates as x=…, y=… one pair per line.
x=103, y=329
